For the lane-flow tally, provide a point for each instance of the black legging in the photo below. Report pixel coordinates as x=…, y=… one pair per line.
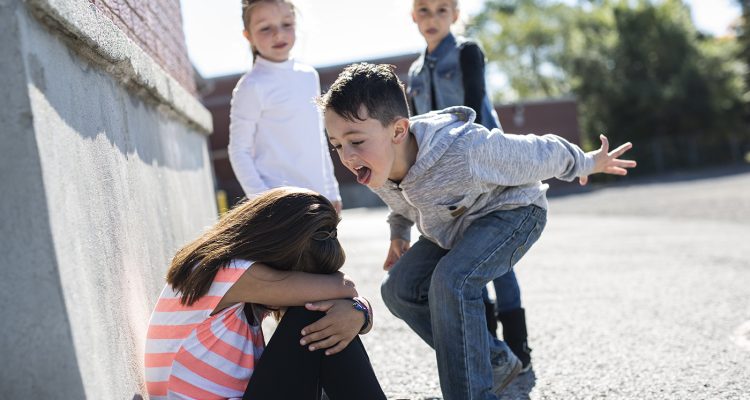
x=288, y=370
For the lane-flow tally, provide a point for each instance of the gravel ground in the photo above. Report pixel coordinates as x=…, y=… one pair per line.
x=638, y=291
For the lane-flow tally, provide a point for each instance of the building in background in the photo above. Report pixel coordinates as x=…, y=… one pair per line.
x=557, y=116
x=105, y=173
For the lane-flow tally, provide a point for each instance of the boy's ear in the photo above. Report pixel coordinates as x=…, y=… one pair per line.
x=400, y=130
x=246, y=34
x=456, y=14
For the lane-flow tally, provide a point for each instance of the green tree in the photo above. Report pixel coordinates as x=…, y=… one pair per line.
x=523, y=39
x=639, y=69
x=743, y=30
x=674, y=92
x=743, y=43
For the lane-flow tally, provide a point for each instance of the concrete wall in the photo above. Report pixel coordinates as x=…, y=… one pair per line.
x=104, y=171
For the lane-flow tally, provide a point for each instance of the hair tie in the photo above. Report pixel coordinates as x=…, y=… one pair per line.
x=324, y=235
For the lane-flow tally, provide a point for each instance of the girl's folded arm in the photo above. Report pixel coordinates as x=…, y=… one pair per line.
x=262, y=284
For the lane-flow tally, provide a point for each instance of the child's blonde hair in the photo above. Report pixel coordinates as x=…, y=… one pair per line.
x=247, y=10
x=455, y=3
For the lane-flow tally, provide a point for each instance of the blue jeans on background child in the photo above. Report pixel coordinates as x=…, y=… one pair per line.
x=507, y=293
x=438, y=293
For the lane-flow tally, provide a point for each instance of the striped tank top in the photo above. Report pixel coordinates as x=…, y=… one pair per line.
x=191, y=354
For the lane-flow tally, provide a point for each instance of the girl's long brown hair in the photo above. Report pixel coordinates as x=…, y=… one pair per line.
x=288, y=229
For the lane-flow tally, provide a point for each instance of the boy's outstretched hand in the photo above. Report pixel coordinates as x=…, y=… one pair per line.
x=608, y=162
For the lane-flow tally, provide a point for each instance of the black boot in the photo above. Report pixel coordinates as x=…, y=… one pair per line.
x=514, y=335
x=489, y=312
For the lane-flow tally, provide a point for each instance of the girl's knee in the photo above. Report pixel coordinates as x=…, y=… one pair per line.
x=300, y=317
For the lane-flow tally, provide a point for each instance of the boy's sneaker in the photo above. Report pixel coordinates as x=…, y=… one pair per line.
x=503, y=375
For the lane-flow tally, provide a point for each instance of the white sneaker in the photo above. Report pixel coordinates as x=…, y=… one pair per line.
x=503, y=375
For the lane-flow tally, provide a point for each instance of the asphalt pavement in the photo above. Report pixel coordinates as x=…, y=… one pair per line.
x=635, y=291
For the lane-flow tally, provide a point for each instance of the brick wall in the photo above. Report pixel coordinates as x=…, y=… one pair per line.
x=155, y=25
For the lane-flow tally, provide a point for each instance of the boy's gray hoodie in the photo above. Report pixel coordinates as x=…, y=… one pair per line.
x=464, y=172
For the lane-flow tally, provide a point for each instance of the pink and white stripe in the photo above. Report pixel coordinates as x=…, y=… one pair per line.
x=191, y=354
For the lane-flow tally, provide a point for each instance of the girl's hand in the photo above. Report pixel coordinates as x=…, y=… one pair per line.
x=608, y=162
x=336, y=329
x=395, y=251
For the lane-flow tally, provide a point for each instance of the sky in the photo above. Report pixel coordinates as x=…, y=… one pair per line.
x=340, y=31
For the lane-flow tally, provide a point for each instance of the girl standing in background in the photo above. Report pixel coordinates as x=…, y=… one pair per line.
x=276, y=133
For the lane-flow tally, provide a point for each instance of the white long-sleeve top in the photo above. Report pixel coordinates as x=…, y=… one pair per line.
x=276, y=135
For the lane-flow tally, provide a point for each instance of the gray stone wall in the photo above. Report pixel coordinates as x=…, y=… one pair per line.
x=104, y=173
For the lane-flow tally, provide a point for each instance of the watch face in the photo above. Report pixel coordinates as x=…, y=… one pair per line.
x=361, y=307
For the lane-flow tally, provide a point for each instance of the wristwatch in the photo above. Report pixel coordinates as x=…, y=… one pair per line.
x=359, y=304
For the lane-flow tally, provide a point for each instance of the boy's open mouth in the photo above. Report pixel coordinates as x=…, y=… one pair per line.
x=363, y=175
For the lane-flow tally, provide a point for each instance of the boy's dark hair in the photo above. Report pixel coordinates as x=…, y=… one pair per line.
x=376, y=87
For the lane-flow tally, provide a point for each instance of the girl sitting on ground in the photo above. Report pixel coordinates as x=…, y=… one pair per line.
x=278, y=251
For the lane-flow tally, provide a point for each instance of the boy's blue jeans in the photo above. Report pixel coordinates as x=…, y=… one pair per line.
x=438, y=293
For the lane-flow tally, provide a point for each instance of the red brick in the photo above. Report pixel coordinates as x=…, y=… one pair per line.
x=139, y=8
x=155, y=26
